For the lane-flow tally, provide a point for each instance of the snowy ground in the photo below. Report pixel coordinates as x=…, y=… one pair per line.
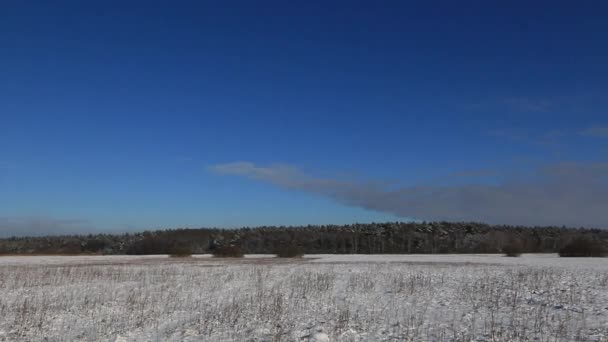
x=317, y=298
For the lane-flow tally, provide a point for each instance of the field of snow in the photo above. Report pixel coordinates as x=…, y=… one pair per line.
x=316, y=298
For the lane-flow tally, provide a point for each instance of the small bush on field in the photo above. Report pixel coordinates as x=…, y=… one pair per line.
x=148, y=245
x=180, y=252
x=94, y=245
x=513, y=249
x=583, y=248
x=481, y=247
x=228, y=252
x=289, y=251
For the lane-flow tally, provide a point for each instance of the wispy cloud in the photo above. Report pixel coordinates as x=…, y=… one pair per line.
x=480, y=173
x=41, y=225
x=527, y=104
x=5, y=165
x=509, y=134
x=562, y=194
x=547, y=139
x=595, y=131
x=521, y=104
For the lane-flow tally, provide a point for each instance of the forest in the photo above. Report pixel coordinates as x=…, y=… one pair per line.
x=369, y=238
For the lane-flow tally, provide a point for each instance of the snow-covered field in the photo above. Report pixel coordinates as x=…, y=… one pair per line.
x=317, y=298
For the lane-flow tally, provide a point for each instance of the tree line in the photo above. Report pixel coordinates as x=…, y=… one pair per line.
x=371, y=238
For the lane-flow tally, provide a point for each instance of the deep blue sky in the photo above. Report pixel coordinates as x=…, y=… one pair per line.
x=115, y=115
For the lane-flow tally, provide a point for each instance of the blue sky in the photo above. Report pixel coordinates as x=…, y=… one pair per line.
x=122, y=116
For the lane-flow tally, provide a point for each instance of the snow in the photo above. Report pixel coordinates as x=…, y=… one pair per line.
x=99, y=259
x=533, y=260
x=316, y=298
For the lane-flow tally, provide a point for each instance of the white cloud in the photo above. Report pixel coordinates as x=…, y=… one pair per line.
x=562, y=194
x=41, y=225
x=596, y=132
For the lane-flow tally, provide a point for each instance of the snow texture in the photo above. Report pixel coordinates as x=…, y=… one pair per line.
x=316, y=298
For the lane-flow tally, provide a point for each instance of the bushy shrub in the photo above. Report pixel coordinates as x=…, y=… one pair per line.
x=94, y=245
x=180, y=252
x=289, y=251
x=228, y=252
x=149, y=244
x=582, y=247
x=480, y=247
x=513, y=249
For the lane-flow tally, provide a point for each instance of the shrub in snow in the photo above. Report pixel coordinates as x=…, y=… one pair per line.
x=228, y=252
x=289, y=251
x=513, y=249
x=583, y=248
x=180, y=252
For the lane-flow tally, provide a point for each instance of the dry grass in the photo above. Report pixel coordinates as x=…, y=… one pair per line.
x=274, y=300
